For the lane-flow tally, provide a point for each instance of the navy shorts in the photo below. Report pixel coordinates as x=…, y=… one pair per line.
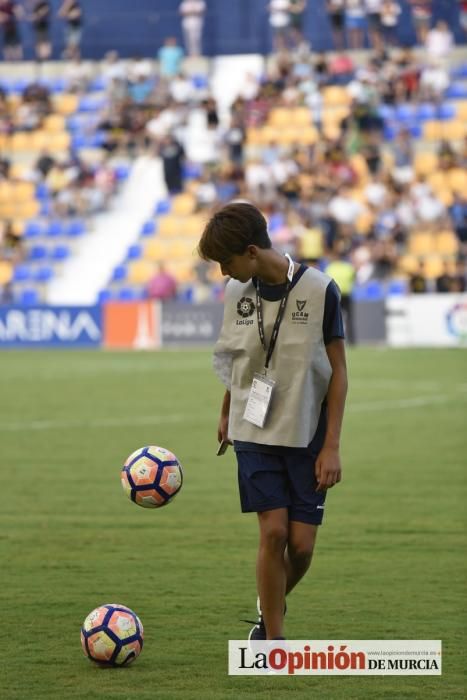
x=269, y=481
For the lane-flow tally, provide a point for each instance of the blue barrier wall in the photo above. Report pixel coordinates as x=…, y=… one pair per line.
x=232, y=26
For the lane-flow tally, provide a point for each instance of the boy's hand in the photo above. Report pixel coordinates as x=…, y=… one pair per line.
x=328, y=469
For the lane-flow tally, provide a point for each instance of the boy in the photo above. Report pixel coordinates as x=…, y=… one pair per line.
x=281, y=357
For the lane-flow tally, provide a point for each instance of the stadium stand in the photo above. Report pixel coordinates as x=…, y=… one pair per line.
x=362, y=153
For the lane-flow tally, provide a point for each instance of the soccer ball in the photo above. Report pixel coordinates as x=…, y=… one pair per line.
x=152, y=477
x=112, y=635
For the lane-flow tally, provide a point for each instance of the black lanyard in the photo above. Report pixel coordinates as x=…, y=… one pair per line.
x=277, y=323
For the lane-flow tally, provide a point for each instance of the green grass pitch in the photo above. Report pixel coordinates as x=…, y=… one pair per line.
x=390, y=558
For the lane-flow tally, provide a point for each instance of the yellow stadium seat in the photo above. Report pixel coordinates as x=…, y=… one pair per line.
x=445, y=196
x=6, y=191
x=433, y=130
x=54, y=122
x=181, y=250
x=18, y=227
x=169, y=225
x=364, y=222
x=309, y=136
x=155, y=249
x=6, y=272
x=20, y=141
x=4, y=142
x=182, y=271
x=254, y=136
x=279, y=117
x=23, y=191
x=422, y=243
x=193, y=225
x=336, y=95
x=408, y=264
x=457, y=179
x=58, y=141
x=454, y=130
x=66, y=104
x=447, y=243
x=331, y=131
x=183, y=204
x=300, y=116
x=311, y=244
x=434, y=266
x=461, y=110
x=140, y=272
x=18, y=171
x=425, y=162
x=289, y=135
x=270, y=134
x=438, y=180
x=39, y=140
x=8, y=210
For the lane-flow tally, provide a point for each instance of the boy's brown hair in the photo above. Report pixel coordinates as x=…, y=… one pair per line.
x=231, y=230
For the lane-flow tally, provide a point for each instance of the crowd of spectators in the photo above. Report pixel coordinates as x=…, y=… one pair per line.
x=354, y=191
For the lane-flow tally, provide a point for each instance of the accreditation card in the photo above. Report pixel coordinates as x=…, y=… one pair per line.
x=259, y=400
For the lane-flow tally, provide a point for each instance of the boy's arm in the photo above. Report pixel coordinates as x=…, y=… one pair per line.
x=222, y=430
x=328, y=464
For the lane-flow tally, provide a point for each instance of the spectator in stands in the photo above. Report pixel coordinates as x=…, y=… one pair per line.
x=279, y=21
x=40, y=18
x=170, y=57
x=434, y=80
x=417, y=281
x=373, y=10
x=336, y=12
x=389, y=14
x=439, y=41
x=458, y=214
x=343, y=273
x=421, y=15
x=173, y=156
x=44, y=164
x=78, y=75
x=162, y=285
x=459, y=284
x=355, y=23
x=11, y=245
x=444, y=283
x=10, y=13
x=192, y=13
x=72, y=13
x=296, y=15
x=463, y=15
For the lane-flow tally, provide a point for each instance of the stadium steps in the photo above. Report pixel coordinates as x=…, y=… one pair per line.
x=94, y=261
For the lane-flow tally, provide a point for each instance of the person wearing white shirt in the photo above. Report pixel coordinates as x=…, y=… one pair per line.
x=439, y=41
x=192, y=13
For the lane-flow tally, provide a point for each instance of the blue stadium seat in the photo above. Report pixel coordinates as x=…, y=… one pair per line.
x=371, y=291
x=29, y=297
x=122, y=171
x=75, y=228
x=162, y=207
x=456, y=91
x=148, y=228
x=426, y=112
x=37, y=252
x=120, y=272
x=192, y=171
x=386, y=112
x=276, y=221
x=200, y=82
x=103, y=296
x=42, y=191
x=55, y=229
x=98, y=84
x=446, y=111
x=134, y=252
x=415, y=131
x=90, y=103
x=405, y=113
x=60, y=253
x=22, y=273
x=128, y=294
x=33, y=229
x=397, y=287
x=43, y=274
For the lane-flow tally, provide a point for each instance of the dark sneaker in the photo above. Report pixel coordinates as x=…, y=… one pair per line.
x=258, y=631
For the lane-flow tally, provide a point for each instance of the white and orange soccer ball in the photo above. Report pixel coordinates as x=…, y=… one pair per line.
x=152, y=476
x=112, y=635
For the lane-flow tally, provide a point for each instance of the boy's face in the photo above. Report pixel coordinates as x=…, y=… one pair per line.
x=241, y=267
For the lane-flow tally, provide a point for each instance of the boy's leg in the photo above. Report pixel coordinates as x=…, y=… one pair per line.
x=300, y=544
x=271, y=574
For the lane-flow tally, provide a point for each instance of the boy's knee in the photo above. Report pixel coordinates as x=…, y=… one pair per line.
x=274, y=537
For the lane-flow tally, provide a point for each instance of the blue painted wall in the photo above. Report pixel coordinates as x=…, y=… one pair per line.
x=232, y=26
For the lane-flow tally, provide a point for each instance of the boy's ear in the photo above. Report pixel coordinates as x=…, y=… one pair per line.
x=252, y=251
